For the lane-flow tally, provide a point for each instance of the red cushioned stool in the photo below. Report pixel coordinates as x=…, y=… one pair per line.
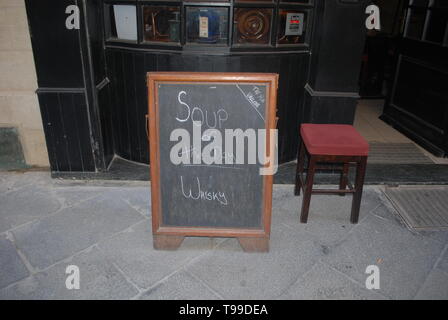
x=337, y=145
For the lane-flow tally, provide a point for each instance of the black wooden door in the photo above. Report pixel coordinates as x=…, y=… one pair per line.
x=418, y=102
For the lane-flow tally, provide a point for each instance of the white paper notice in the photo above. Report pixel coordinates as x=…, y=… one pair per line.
x=294, y=24
x=126, y=22
x=203, y=27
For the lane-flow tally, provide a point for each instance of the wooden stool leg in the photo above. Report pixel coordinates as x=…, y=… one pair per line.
x=308, y=190
x=299, y=170
x=359, y=184
x=344, y=179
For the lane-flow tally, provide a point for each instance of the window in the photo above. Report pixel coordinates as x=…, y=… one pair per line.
x=428, y=21
x=161, y=24
x=291, y=26
x=122, y=22
x=207, y=25
x=252, y=26
x=275, y=25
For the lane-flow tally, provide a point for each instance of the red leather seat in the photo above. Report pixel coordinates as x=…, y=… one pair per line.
x=333, y=139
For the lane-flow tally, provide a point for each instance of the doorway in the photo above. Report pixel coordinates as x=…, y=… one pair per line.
x=388, y=145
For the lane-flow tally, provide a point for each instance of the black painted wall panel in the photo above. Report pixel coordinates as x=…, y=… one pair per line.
x=60, y=67
x=49, y=132
x=121, y=107
x=322, y=109
x=60, y=140
x=96, y=39
x=338, y=45
x=127, y=71
x=66, y=127
x=104, y=101
x=84, y=134
x=69, y=125
x=130, y=103
x=141, y=110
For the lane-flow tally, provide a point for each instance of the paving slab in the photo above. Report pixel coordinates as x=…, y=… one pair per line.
x=4, y=183
x=386, y=211
x=435, y=287
x=26, y=204
x=99, y=279
x=441, y=236
x=71, y=196
x=12, y=268
x=59, y=236
x=138, y=198
x=17, y=180
x=404, y=259
x=329, y=215
x=442, y=264
x=52, y=222
x=324, y=283
x=235, y=274
x=180, y=286
x=133, y=252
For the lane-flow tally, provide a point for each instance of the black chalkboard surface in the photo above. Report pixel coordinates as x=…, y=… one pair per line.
x=221, y=196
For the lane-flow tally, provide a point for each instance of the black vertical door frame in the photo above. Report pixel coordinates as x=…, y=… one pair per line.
x=96, y=136
x=64, y=68
x=430, y=56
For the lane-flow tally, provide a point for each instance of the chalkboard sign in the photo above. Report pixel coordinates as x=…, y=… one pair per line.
x=206, y=130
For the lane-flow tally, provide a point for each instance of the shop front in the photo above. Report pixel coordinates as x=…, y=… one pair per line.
x=92, y=89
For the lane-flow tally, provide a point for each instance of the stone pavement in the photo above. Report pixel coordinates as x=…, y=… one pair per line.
x=104, y=229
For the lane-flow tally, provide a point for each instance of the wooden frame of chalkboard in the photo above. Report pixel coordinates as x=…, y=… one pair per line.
x=253, y=236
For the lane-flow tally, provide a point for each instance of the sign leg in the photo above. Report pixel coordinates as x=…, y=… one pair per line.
x=254, y=244
x=163, y=242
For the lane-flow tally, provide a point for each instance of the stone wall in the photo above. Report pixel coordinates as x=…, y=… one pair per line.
x=19, y=106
